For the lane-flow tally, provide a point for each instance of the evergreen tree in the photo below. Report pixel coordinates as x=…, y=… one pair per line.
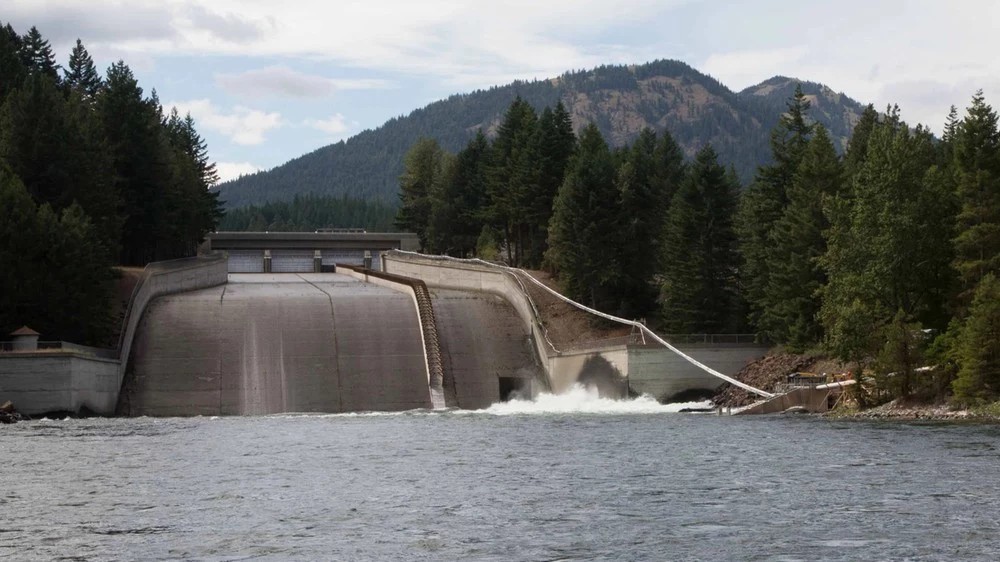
x=142, y=163
x=58, y=280
x=699, y=290
x=82, y=75
x=857, y=148
x=892, y=252
x=12, y=70
x=37, y=55
x=764, y=203
x=977, y=175
x=556, y=145
x=791, y=296
x=978, y=380
x=946, y=147
x=57, y=147
x=515, y=179
x=422, y=165
x=458, y=200
x=582, y=245
x=643, y=211
x=669, y=167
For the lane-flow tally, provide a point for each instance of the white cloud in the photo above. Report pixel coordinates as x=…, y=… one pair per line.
x=285, y=82
x=744, y=68
x=451, y=39
x=241, y=124
x=232, y=170
x=335, y=125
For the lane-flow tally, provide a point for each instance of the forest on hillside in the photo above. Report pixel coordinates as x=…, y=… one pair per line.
x=885, y=257
x=309, y=213
x=93, y=174
x=665, y=95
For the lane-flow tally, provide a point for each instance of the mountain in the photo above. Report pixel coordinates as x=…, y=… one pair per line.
x=694, y=107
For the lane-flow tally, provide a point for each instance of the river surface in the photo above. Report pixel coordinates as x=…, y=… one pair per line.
x=568, y=478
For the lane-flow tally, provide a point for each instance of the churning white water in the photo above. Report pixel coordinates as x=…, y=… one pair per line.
x=586, y=400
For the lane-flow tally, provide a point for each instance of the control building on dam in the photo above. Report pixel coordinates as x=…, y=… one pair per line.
x=203, y=338
x=305, y=252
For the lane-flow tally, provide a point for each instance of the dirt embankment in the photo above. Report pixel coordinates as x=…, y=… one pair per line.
x=767, y=373
x=566, y=325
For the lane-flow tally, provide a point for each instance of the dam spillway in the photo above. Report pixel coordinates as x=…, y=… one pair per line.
x=485, y=349
x=264, y=344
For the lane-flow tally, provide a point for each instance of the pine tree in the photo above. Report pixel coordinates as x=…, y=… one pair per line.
x=857, y=148
x=978, y=380
x=37, y=55
x=582, y=245
x=669, y=167
x=976, y=167
x=458, y=200
x=58, y=280
x=643, y=217
x=514, y=179
x=82, y=74
x=791, y=297
x=891, y=250
x=699, y=291
x=422, y=166
x=12, y=70
x=133, y=128
x=557, y=143
x=764, y=203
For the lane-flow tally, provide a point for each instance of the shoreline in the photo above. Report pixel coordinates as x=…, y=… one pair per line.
x=914, y=411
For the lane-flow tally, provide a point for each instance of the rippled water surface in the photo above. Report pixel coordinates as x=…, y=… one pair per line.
x=619, y=482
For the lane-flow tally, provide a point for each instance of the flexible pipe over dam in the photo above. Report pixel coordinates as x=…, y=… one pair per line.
x=646, y=331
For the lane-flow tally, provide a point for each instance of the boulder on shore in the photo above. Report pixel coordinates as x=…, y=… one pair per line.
x=9, y=414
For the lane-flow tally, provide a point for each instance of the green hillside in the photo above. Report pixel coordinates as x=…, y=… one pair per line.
x=621, y=100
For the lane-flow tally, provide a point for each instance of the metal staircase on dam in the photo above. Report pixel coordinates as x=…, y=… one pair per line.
x=432, y=343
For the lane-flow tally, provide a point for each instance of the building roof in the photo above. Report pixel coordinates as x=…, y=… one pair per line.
x=24, y=331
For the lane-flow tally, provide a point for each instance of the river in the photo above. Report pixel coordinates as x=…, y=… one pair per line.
x=564, y=478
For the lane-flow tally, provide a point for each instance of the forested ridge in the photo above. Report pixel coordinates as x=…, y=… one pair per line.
x=884, y=256
x=621, y=101
x=92, y=174
x=308, y=212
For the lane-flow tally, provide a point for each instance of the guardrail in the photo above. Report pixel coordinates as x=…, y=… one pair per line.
x=716, y=339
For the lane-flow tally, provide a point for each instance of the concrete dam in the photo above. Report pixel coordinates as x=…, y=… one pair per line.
x=271, y=343
x=220, y=334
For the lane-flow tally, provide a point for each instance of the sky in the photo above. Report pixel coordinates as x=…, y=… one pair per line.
x=267, y=81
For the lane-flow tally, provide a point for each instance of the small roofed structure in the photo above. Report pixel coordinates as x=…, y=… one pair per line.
x=24, y=339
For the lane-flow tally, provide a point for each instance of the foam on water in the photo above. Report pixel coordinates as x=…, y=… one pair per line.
x=577, y=400
x=586, y=400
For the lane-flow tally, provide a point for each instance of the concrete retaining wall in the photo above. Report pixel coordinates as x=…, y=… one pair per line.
x=561, y=369
x=813, y=400
x=464, y=277
x=165, y=278
x=651, y=370
x=41, y=383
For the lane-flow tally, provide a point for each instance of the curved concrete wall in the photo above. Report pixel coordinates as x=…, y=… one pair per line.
x=278, y=343
x=650, y=370
x=165, y=278
x=482, y=340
